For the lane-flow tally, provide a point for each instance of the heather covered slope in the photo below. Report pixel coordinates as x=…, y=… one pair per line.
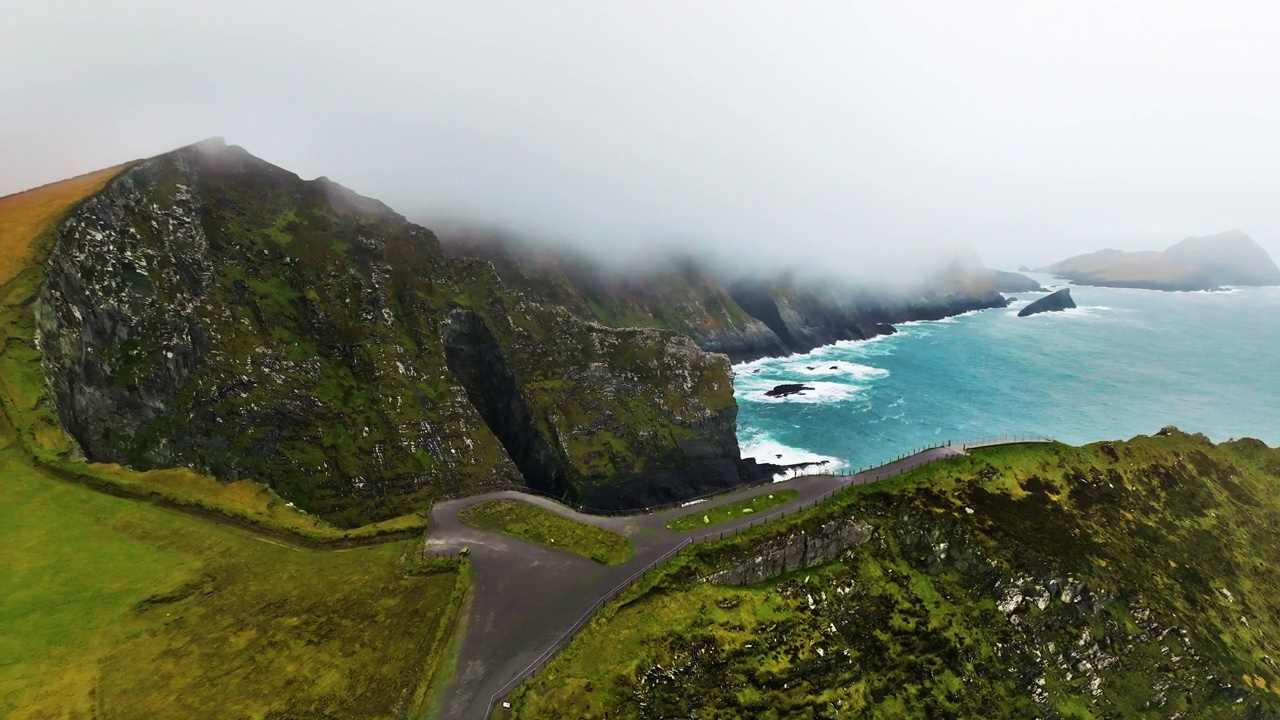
x=1127, y=579
x=1196, y=263
x=745, y=319
x=207, y=309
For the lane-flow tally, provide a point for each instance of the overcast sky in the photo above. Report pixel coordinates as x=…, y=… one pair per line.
x=847, y=133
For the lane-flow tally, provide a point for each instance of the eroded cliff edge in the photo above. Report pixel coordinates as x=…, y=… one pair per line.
x=211, y=310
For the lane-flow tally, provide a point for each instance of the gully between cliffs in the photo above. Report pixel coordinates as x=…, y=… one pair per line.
x=476, y=361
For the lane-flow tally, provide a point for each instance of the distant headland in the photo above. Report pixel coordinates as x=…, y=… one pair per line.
x=1196, y=263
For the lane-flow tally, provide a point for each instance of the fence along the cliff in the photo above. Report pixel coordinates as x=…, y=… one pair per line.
x=803, y=472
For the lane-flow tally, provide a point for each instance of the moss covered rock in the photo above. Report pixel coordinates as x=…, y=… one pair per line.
x=211, y=310
x=746, y=319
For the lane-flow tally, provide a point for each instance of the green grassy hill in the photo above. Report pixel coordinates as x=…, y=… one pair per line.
x=175, y=595
x=116, y=608
x=1129, y=579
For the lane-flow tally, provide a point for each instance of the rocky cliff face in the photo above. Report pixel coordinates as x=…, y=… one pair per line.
x=744, y=319
x=211, y=310
x=806, y=316
x=678, y=295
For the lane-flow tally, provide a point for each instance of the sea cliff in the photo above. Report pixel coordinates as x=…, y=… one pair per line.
x=208, y=309
x=745, y=318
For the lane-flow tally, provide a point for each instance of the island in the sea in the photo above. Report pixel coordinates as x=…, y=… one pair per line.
x=1196, y=263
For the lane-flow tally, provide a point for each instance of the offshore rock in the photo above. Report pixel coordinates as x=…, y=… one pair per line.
x=787, y=389
x=1053, y=302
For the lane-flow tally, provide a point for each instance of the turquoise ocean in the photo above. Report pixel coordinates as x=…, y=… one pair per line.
x=1124, y=363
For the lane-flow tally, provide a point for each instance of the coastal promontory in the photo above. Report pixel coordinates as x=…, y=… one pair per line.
x=1196, y=263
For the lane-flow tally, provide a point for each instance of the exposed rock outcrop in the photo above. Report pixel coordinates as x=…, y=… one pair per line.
x=796, y=551
x=1053, y=302
x=806, y=316
x=744, y=319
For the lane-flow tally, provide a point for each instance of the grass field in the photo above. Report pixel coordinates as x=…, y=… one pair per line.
x=732, y=511
x=532, y=523
x=113, y=608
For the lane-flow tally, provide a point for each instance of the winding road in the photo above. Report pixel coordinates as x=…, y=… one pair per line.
x=526, y=597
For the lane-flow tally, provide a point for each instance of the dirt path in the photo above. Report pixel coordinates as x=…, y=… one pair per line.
x=525, y=596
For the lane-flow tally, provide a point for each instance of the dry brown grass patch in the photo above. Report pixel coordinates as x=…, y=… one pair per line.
x=25, y=215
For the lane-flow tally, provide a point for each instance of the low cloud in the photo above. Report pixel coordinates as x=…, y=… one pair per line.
x=856, y=137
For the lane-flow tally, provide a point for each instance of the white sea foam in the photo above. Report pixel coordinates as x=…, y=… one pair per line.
x=761, y=365
x=1081, y=312
x=815, y=367
x=813, y=357
x=1086, y=311
x=877, y=346
x=953, y=386
x=822, y=392
x=1224, y=290
x=940, y=321
x=766, y=450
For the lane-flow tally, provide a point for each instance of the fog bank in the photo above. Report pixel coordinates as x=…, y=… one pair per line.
x=863, y=136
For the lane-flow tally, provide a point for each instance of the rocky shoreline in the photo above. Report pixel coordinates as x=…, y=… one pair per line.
x=747, y=319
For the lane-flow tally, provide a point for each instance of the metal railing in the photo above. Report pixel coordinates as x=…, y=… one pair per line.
x=961, y=447
x=811, y=470
x=859, y=477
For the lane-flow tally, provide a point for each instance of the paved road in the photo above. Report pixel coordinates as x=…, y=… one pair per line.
x=525, y=596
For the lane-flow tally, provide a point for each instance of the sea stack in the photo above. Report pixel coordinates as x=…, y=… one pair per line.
x=786, y=389
x=1053, y=302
